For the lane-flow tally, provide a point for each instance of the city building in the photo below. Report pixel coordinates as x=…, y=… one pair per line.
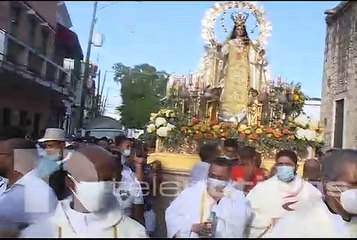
x=36, y=91
x=339, y=85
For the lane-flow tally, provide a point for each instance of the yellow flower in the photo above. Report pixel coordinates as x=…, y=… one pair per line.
x=296, y=97
x=216, y=127
x=259, y=131
x=204, y=128
x=247, y=131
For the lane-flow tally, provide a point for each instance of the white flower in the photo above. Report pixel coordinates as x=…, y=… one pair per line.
x=302, y=120
x=153, y=116
x=168, y=113
x=310, y=135
x=300, y=134
x=160, y=121
x=150, y=128
x=162, y=131
x=313, y=125
x=170, y=126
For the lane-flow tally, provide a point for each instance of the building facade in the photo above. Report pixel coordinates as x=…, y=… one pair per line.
x=36, y=92
x=312, y=109
x=339, y=85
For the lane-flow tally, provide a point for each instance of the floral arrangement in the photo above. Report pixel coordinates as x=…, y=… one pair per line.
x=297, y=135
x=162, y=123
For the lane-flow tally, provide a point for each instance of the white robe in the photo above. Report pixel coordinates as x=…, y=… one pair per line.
x=189, y=208
x=310, y=218
x=67, y=223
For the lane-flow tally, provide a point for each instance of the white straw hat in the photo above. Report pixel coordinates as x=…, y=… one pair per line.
x=54, y=134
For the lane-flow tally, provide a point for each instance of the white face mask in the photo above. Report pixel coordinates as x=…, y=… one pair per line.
x=349, y=200
x=94, y=196
x=126, y=153
x=215, y=187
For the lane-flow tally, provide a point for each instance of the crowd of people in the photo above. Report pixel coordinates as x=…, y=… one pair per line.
x=84, y=187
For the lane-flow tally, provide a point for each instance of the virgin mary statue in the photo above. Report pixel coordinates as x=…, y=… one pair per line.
x=237, y=67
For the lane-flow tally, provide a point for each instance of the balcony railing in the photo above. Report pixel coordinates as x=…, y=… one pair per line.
x=16, y=54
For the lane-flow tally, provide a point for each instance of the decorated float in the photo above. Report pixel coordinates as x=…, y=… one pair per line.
x=232, y=96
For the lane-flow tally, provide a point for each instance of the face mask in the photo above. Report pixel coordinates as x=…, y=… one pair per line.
x=285, y=173
x=126, y=153
x=215, y=187
x=46, y=167
x=94, y=196
x=349, y=200
x=227, y=157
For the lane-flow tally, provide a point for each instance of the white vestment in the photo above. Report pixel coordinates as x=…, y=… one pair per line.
x=194, y=205
x=67, y=223
x=310, y=217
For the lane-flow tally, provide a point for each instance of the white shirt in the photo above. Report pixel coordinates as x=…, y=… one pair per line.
x=129, y=191
x=194, y=205
x=29, y=200
x=67, y=223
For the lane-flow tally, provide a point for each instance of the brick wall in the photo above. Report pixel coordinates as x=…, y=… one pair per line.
x=340, y=73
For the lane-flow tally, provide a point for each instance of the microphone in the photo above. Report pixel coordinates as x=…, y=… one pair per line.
x=213, y=218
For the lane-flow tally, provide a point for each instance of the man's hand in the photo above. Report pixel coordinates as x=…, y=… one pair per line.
x=202, y=229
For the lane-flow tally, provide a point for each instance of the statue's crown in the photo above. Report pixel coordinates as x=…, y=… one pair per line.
x=239, y=18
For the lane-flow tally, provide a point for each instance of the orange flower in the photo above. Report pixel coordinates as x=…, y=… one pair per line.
x=277, y=134
x=195, y=120
x=269, y=130
x=208, y=136
x=197, y=136
x=269, y=135
x=286, y=131
x=253, y=136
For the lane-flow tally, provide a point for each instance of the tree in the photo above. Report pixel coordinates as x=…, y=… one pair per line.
x=142, y=88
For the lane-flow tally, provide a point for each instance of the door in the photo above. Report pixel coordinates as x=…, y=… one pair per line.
x=339, y=120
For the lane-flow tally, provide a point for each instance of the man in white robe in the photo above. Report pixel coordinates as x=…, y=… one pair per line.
x=288, y=206
x=93, y=212
x=188, y=213
x=339, y=170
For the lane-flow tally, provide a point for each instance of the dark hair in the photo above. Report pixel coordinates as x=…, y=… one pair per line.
x=287, y=153
x=208, y=151
x=230, y=142
x=234, y=32
x=57, y=182
x=222, y=162
x=338, y=162
x=120, y=139
x=247, y=153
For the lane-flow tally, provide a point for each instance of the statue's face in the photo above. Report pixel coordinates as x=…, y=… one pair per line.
x=240, y=31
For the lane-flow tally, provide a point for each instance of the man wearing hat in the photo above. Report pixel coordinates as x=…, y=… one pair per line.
x=53, y=144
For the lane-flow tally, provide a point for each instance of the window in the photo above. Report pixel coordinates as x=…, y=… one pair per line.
x=15, y=14
x=32, y=32
x=23, y=118
x=44, y=39
x=6, y=117
x=36, y=125
x=339, y=119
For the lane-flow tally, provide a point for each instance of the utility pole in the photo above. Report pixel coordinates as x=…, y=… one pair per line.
x=86, y=67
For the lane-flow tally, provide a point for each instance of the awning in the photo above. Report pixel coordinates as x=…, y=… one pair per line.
x=69, y=40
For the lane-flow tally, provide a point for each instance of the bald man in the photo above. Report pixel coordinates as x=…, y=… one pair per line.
x=26, y=199
x=93, y=210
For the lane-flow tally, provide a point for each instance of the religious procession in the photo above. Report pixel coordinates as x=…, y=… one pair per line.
x=228, y=151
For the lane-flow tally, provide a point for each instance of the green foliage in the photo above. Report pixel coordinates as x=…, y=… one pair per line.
x=142, y=88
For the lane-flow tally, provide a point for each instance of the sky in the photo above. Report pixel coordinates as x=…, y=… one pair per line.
x=167, y=35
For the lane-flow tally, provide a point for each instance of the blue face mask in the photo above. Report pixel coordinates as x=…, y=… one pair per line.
x=285, y=173
x=47, y=166
x=126, y=153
